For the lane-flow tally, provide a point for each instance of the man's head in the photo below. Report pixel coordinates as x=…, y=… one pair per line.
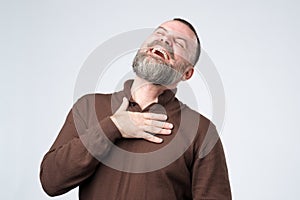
x=168, y=54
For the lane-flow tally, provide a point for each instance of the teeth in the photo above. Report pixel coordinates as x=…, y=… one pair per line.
x=161, y=51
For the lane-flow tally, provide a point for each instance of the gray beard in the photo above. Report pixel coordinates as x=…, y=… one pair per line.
x=155, y=70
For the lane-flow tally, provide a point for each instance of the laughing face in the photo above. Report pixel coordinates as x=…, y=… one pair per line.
x=165, y=57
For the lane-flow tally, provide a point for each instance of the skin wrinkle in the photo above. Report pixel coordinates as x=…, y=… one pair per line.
x=187, y=43
x=162, y=44
x=157, y=70
x=112, y=124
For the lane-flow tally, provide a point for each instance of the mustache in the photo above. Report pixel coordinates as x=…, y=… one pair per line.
x=168, y=48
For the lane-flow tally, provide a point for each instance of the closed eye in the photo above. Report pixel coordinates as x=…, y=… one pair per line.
x=180, y=43
x=159, y=33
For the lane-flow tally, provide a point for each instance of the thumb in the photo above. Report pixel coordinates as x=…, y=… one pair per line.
x=124, y=105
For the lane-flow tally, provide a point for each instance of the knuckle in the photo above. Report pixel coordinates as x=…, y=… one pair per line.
x=147, y=122
x=152, y=122
x=152, y=129
x=146, y=135
x=161, y=124
x=142, y=127
x=155, y=130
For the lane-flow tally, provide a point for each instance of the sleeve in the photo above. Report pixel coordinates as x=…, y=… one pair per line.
x=210, y=174
x=68, y=162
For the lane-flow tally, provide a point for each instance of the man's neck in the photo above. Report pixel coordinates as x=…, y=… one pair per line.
x=145, y=93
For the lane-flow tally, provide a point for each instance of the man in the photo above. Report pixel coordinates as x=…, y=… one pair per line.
x=144, y=119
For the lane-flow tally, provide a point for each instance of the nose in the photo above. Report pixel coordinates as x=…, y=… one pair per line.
x=166, y=40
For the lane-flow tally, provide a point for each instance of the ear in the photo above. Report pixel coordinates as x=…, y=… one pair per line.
x=188, y=73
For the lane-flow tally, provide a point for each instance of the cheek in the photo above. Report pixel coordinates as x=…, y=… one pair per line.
x=182, y=56
x=150, y=39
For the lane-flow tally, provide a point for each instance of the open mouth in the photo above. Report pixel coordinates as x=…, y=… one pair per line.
x=160, y=52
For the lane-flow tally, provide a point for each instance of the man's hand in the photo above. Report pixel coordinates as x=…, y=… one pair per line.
x=140, y=125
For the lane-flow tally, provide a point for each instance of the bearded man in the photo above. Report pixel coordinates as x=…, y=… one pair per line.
x=141, y=142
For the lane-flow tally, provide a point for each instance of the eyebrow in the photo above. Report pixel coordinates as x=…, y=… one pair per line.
x=160, y=27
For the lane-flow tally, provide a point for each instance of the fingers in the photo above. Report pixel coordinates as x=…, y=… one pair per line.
x=156, y=130
x=124, y=105
x=155, y=116
x=154, y=126
x=151, y=138
x=159, y=124
x=141, y=125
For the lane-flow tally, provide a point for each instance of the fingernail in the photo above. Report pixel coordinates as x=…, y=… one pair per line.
x=170, y=125
x=159, y=140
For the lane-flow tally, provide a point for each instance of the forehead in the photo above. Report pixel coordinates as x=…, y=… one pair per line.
x=179, y=28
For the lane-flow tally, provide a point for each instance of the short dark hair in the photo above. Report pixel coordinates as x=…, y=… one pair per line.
x=198, y=50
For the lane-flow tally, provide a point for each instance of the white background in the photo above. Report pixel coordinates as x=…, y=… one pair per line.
x=254, y=45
